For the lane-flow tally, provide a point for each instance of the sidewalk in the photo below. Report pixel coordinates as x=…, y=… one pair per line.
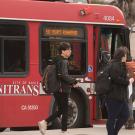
x=97, y=130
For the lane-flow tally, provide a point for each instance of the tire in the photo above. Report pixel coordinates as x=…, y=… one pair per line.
x=76, y=111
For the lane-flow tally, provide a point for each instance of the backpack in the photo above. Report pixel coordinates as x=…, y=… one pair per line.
x=50, y=82
x=103, y=81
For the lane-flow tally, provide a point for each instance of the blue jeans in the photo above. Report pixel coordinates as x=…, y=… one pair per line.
x=118, y=114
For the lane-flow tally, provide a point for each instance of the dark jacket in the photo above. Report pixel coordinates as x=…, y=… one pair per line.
x=62, y=69
x=120, y=82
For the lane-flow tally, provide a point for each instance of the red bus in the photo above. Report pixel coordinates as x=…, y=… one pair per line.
x=30, y=32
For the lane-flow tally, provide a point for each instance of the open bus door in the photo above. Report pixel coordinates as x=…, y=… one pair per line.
x=106, y=40
x=102, y=53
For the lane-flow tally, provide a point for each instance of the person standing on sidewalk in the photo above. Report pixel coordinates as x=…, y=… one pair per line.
x=117, y=99
x=130, y=123
x=62, y=96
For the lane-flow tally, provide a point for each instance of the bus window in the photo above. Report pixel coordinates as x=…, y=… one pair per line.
x=14, y=61
x=106, y=38
x=51, y=39
x=13, y=56
x=109, y=40
x=77, y=63
x=109, y=36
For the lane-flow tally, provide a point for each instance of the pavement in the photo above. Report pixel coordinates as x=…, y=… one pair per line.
x=96, y=130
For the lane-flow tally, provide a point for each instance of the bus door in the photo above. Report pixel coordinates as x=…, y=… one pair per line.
x=107, y=40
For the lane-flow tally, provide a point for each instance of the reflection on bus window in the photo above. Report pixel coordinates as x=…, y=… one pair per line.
x=12, y=48
x=77, y=61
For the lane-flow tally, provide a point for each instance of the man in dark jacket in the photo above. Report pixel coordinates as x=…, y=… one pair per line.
x=117, y=99
x=62, y=96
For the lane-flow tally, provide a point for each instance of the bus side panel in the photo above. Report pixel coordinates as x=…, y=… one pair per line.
x=23, y=111
x=20, y=102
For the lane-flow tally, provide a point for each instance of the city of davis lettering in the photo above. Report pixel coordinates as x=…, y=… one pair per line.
x=22, y=89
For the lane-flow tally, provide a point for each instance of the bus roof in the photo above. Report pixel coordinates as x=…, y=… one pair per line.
x=44, y=11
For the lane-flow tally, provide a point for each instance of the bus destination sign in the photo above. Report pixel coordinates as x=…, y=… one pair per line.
x=63, y=32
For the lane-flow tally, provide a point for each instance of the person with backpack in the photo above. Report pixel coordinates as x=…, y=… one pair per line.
x=117, y=98
x=62, y=94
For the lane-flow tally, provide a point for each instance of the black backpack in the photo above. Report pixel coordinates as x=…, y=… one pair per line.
x=50, y=82
x=103, y=81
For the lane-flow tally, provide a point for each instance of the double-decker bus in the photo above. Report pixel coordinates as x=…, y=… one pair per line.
x=30, y=32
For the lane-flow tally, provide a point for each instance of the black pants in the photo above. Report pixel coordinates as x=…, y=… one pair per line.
x=118, y=114
x=62, y=101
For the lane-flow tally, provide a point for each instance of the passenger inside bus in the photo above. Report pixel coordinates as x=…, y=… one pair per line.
x=17, y=66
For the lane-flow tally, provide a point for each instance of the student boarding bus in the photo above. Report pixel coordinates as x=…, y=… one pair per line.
x=30, y=32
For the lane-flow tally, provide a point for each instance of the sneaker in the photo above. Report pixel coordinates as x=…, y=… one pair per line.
x=129, y=124
x=64, y=133
x=42, y=126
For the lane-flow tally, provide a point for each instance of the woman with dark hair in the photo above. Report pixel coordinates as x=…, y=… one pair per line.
x=117, y=99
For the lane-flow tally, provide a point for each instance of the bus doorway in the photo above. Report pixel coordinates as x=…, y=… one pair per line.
x=109, y=38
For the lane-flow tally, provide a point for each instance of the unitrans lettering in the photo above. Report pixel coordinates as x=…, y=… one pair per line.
x=16, y=90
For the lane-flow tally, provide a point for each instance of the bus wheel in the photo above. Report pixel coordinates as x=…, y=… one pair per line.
x=75, y=112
